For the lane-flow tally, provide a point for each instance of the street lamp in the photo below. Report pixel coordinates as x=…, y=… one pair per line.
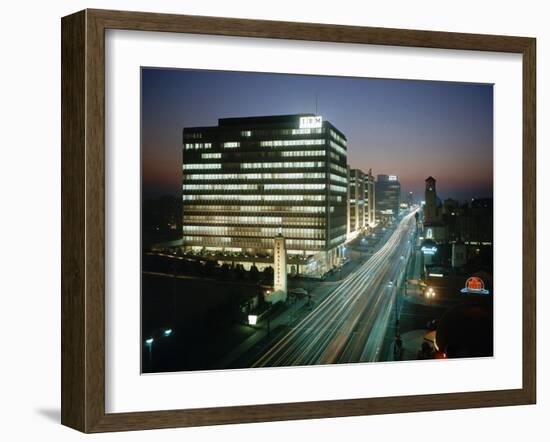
x=167, y=332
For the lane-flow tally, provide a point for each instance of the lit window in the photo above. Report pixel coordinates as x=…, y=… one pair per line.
x=284, y=143
x=303, y=153
x=231, y=144
x=201, y=166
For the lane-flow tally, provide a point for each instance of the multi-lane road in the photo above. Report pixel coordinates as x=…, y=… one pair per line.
x=350, y=324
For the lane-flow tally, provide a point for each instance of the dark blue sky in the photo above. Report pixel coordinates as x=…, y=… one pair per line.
x=400, y=127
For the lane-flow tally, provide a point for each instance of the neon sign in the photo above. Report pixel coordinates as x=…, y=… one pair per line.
x=429, y=250
x=475, y=284
x=311, y=122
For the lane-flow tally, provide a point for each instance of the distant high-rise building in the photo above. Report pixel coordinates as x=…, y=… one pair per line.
x=434, y=228
x=430, y=198
x=356, y=200
x=370, y=209
x=248, y=179
x=410, y=199
x=387, y=196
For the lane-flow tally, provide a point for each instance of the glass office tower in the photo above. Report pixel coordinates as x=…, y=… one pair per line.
x=387, y=196
x=248, y=179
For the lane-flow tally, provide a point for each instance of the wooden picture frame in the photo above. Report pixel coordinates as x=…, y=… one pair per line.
x=83, y=220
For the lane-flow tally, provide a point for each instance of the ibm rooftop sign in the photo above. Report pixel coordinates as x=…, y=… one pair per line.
x=311, y=122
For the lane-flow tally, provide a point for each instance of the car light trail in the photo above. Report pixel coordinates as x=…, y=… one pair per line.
x=350, y=324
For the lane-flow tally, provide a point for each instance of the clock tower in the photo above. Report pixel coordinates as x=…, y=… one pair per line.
x=430, y=197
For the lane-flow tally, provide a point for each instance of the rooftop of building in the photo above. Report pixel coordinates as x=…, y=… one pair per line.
x=387, y=178
x=265, y=121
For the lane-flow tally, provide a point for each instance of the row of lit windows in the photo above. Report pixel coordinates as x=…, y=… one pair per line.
x=192, y=135
x=255, y=176
x=334, y=156
x=207, y=156
x=304, y=142
x=303, y=153
x=338, y=188
x=338, y=148
x=285, y=165
x=257, y=209
x=266, y=243
x=313, y=186
x=338, y=138
x=288, y=232
x=203, y=240
x=297, y=198
x=189, y=146
x=301, y=252
x=338, y=178
x=231, y=144
x=285, y=154
x=202, y=166
x=304, y=243
x=220, y=187
x=338, y=168
x=304, y=131
x=239, y=219
x=306, y=186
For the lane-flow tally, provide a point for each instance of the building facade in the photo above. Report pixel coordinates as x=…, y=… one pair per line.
x=370, y=201
x=388, y=196
x=361, y=199
x=248, y=180
x=431, y=214
x=356, y=200
x=434, y=228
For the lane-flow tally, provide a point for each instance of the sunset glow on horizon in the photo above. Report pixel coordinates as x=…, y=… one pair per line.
x=408, y=128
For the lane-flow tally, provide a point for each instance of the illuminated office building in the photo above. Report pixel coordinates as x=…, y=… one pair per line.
x=388, y=196
x=356, y=200
x=370, y=202
x=247, y=180
x=361, y=210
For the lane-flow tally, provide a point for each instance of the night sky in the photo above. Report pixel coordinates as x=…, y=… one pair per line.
x=412, y=129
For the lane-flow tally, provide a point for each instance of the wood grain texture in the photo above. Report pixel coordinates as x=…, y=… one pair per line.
x=83, y=220
x=529, y=221
x=73, y=254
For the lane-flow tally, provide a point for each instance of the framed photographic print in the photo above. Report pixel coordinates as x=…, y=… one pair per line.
x=270, y=220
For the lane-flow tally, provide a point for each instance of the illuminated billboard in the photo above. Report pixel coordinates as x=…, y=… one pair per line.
x=475, y=285
x=311, y=122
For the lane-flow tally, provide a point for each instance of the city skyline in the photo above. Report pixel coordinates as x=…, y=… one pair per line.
x=277, y=247
x=412, y=129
